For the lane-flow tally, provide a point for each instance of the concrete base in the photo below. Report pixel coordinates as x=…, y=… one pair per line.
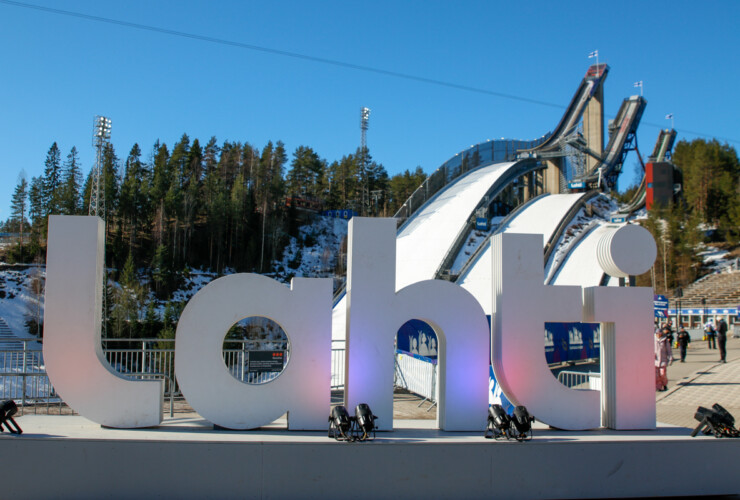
x=69, y=457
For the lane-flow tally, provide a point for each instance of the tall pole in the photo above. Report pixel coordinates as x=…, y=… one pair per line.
x=364, y=121
x=101, y=137
x=665, y=269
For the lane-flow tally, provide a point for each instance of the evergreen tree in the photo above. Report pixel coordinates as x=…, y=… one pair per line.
x=86, y=193
x=133, y=203
x=345, y=187
x=110, y=182
x=36, y=210
x=711, y=173
x=192, y=187
x=160, y=186
x=128, y=300
x=18, y=208
x=306, y=174
x=71, y=183
x=402, y=186
x=52, y=183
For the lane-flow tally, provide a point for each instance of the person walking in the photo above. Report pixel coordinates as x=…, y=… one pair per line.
x=663, y=357
x=683, y=342
x=669, y=325
x=711, y=334
x=722, y=340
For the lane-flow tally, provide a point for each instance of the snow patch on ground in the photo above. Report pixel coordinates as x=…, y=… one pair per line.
x=315, y=252
x=474, y=239
x=196, y=280
x=718, y=260
x=18, y=303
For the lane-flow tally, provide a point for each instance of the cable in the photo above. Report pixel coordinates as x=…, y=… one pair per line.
x=692, y=132
x=322, y=60
x=284, y=53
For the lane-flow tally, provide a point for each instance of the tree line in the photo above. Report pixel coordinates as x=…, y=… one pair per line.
x=707, y=211
x=229, y=206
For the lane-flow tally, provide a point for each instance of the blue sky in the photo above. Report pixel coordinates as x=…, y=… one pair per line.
x=59, y=71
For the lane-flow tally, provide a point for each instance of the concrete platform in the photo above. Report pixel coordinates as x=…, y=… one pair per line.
x=69, y=456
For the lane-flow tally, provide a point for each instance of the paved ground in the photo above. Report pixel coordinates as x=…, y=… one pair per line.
x=701, y=381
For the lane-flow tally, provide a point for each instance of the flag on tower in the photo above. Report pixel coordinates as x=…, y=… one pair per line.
x=669, y=116
x=595, y=53
x=638, y=84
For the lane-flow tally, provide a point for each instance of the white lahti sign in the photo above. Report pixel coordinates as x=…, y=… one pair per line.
x=375, y=311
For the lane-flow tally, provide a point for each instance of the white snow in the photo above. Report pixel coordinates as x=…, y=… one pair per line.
x=319, y=259
x=542, y=216
x=423, y=243
x=19, y=302
x=581, y=266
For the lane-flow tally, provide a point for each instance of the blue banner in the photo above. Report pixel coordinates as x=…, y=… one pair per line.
x=339, y=214
x=571, y=341
x=732, y=311
x=416, y=337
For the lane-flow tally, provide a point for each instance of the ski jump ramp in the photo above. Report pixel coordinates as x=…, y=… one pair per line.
x=428, y=235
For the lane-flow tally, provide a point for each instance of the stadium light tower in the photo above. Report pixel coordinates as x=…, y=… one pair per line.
x=101, y=137
x=364, y=121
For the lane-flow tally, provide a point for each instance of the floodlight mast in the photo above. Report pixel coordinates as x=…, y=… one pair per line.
x=101, y=137
x=364, y=121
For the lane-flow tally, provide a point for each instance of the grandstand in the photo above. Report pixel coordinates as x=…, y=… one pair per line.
x=718, y=290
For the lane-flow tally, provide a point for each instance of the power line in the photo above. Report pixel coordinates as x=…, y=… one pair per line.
x=284, y=53
x=321, y=60
x=692, y=132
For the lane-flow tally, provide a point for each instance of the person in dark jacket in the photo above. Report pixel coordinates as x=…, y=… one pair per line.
x=683, y=342
x=722, y=340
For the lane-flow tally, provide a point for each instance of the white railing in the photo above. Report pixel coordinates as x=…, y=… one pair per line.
x=417, y=375
x=23, y=375
x=580, y=380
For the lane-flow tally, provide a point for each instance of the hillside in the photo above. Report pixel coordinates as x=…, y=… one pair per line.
x=316, y=252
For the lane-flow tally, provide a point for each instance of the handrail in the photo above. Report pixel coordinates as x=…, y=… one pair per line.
x=565, y=221
x=485, y=242
x=520, y=168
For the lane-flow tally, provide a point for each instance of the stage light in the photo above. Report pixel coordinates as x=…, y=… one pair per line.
x=364, y=422
x=724, y=414
x=716, y=420
x=498, y=423
x=7, y=410
x=521, y=427
x=340, y=424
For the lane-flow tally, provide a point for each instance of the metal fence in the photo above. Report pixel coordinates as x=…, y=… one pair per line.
x=417, y=374
x=580, y=380
x=23, y=375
